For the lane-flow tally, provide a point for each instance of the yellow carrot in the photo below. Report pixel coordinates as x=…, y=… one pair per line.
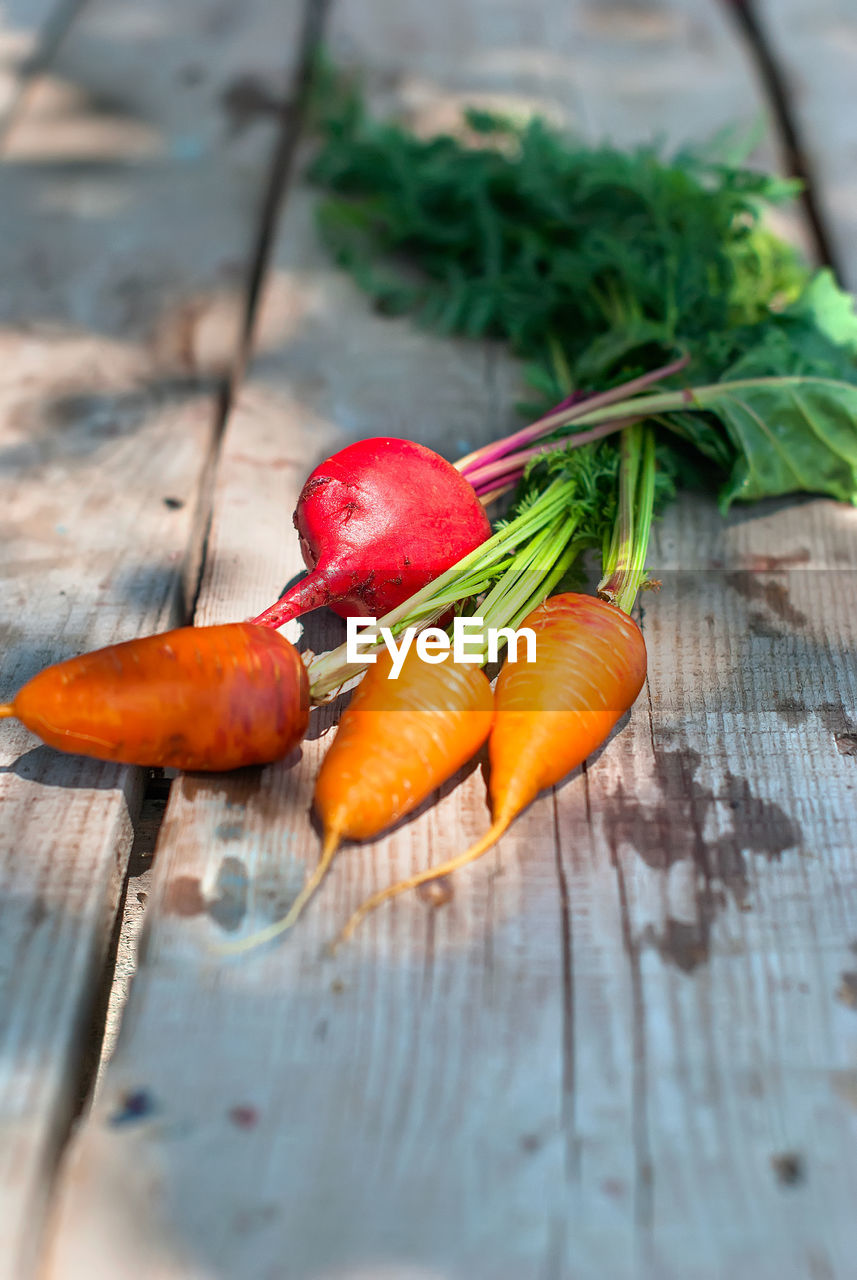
x=397, y=742
x=549, y=715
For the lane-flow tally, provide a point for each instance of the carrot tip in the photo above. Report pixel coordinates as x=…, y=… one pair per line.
x=273, y=930
x=422, y=877
x=6, y=709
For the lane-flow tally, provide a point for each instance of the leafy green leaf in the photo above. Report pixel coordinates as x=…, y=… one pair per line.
x=602, y=247
x=791, y=435
x=828, y=309
x=596, y=264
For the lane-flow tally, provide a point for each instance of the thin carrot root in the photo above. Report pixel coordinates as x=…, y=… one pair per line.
x=295, y=911
x=548, y=715
x=422, y=877
x=6, y=709
x=397, y=741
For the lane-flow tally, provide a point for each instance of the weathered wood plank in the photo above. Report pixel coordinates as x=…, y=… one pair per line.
x=136, y=891
x=725, y=824
x=130, y=201
x=585, y=1060
x=816, y=46
x=25, y=28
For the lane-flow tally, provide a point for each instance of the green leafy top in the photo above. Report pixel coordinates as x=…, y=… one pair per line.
x=597, y=264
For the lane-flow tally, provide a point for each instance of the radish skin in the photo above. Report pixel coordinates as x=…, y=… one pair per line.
x=377, y=521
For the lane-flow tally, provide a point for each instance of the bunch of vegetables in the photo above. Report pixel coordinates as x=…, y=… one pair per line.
x=682, y=342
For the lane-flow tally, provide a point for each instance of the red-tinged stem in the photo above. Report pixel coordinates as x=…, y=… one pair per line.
x=565, y=412
x=509, y=476
x=309, y=593
x=487, y=498
x=574, y=398
x=511, y=468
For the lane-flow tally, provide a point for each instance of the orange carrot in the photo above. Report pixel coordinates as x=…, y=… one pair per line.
x=549, y=715
x=397, y=741
x=208, y=698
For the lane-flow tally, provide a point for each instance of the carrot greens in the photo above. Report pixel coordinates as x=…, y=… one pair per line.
x=601, y=266
x=556, y=518
x=668, y=326
x=662, y=325
x=624, y=571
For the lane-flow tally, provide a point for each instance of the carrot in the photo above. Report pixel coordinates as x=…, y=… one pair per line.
x=397, y=741
x=208, y=698
x=549, y=715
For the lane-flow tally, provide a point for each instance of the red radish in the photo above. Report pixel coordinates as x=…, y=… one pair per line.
x=378, y=521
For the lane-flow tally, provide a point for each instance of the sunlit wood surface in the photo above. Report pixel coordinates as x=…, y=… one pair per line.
x=621, y=1046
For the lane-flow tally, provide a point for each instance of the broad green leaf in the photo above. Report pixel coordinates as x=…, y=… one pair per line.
x=829, y=309
x=791, y=435
x=620, y=257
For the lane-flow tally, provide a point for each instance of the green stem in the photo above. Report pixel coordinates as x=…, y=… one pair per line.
x=562, y=372
x=662, y=402
x=469, y=577
x=624, y=565
x=551, y=579
x=538, y=569
x=622, y=541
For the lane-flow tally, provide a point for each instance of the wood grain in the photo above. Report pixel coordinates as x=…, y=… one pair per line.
x=130, y=201
x=28, y=30
x=816, y=47
x=616, y=1048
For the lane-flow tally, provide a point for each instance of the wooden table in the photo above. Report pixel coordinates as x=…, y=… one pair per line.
x=625, y=1044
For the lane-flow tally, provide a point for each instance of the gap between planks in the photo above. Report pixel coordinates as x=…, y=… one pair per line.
x=291, y=116
x=120, y=959
x=162, y=605
x=796, y=161
x=438, y=975
x=292, y=112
